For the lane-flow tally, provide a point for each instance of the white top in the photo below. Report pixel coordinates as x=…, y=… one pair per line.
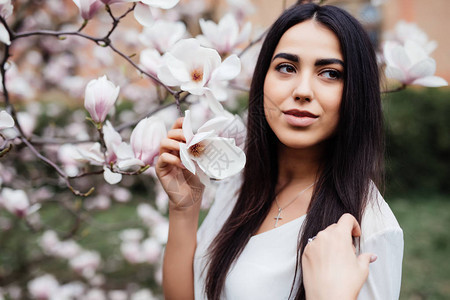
x=266, y=267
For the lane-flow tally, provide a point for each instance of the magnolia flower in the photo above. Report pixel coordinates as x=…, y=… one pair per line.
x=88, y=8
x=6, y=121
x=197, y=69
x=15, y=201
x=112, y=140
x=151, y=60
x=241, y=8
x=405, y=31
x=225, y=35
x=162, y=35
x=100, y=96
x=143, y=294
x=146, y=138
x=410, y=64
x=142, y=11
x=86, y=263
x=144, y=148
x=216, y=157
x=6, y=8
x=4, y=35
x=43, y=287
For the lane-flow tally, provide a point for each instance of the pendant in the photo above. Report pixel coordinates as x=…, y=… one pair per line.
x=278, y=217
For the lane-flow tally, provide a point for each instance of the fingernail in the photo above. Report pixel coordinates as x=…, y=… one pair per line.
x=373, y=258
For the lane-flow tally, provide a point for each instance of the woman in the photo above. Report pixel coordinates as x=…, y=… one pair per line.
x=314, y=152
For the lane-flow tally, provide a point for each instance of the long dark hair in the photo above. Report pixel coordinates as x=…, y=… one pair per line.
x=353, y=157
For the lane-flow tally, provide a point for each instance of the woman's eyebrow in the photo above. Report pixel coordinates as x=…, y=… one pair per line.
x=328, y=61
x=288, y=56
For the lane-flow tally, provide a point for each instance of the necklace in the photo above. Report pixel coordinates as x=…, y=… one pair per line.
x=280, y=209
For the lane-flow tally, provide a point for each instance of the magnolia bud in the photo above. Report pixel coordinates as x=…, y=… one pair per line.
x=146, y=138
x=101, y=94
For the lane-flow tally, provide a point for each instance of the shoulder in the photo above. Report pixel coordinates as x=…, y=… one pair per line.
x=378, y=218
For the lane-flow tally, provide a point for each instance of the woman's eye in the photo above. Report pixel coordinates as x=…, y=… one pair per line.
x=331, y=74
x=285, y=68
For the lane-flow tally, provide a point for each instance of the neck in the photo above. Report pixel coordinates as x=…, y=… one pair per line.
x=298, y=166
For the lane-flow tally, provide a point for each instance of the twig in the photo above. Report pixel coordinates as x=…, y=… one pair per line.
x=57, y=169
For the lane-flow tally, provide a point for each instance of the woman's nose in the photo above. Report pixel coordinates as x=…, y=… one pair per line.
x=302, y=90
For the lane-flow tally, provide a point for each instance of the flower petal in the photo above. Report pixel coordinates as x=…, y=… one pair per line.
x=111, y=177
x=214, y=124
x=143, y=14
x=4, y=35
x=185, y=159
x=431, y=81
x=130, y=165
x=164, y=4
x=229, y=69
x=424, y=68
x=187, y=126
x=221, y=158
x=395, y=73
x=6, y=121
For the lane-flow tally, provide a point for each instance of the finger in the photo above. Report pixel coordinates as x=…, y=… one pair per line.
x=349, y=223
x=366, y=258
x=167, y=159
x=176, y=134
x=178, y=123
x=169, y=145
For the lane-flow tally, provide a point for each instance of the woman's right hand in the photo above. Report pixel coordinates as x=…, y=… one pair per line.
x=183, y=188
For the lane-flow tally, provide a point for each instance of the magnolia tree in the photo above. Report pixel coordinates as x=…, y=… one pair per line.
x=89, y=89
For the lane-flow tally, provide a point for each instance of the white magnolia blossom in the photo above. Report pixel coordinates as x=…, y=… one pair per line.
x=410, y=64
x=88, y=8
x=4, y=35
x=43, y=287
x=150, y=61
x=117, y=295
x=100, y=97
x=6, y=8
x=6, y=121
x=162, y=35
x=205, y=153
x=241, y=8
x=86, y=263
x=143, y=13
x=197, y=69
x=15, y=201
x=132, y=235
x=224, y=36
x=405, y=31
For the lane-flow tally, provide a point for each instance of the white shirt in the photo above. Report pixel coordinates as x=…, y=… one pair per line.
x=266, y=267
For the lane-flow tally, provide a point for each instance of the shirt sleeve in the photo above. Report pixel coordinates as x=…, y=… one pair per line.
x=385, y=273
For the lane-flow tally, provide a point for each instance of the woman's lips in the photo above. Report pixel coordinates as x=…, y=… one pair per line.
x=299, y=118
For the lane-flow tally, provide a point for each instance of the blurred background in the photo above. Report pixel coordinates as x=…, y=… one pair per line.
x=120, y=229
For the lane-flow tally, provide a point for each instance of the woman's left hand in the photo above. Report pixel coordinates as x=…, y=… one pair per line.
x=331, y=269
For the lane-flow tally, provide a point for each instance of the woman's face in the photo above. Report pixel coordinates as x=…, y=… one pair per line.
x=303, y=86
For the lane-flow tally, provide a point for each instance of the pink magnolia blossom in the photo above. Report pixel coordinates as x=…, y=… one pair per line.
x=146, y=138
x=88, y=8
x=100, y=96
x=410, y=64
x=43, y=287
x=405, y=31
x=15, y=201
x=224, y=36
x=86, y=263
